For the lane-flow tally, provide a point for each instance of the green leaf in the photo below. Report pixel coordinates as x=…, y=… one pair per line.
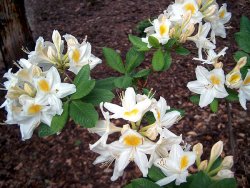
x=57, y=124
x=216, y=164
x=137, y=42
x=96, y=96
x=244, y=24
x=233, y=95
x=133, y=59
x=129, y=186
x=106, y=83
x=195, y=99
x=154, y=42
x=113, y=59
x=158, y=60
x=240, y=54
x=200, y=180
x=149, y=117
x=171, y=42
x=83, y=75
x=144, y=183
x=182, y=51
x=214, y=105
x=244, y=71
x=155, y=173
x=167, y=60
x=142, y=73
x=83, y=113
x=224, y=183
x=83, y=89
x=242, y=40
x=123, y=82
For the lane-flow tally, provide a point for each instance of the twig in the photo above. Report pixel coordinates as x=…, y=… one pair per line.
x=231, y=131
x=68, y=77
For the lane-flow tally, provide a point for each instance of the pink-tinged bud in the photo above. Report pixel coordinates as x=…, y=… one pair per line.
x=227, y=162
x=223, y=174
x=216, y=151
x=198, y=149
x=203, y=165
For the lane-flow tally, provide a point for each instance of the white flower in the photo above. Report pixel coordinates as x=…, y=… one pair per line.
x=52, y=89
x=34, y=111
x=200, y=39
x=130, y=109
x=175, y=166
x=103, y=128
x=160, y=29
x=244, y=91
x=209, y=84
x=80, y=54
x=212, y=56
x=176, y=11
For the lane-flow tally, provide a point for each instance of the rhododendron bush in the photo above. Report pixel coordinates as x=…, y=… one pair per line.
x=54, y=86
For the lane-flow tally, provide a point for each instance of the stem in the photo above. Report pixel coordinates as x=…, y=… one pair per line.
x=68, y=77
x=230, y=129
x=133, y=126
x=214, y=171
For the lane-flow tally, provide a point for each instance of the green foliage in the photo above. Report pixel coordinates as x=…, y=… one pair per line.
x=143, y=183
x=141, y=26
x=244, y=24
x=133, y=59
x=153, y=42
x=142, y=73
x=82, y=75
x=123, y=81
x=167, y=60
x=149, y=117
x=170, y=44
x=242, y=40
x=182, y=51
x=155, y=174
x=225, y=183
x=57, y=124
x=158, y=60
x=233, y=95
x=96, y=96
x=195, y=99
x=83, y=113
x=113, y=59
x=214, y=105
x=106, y=83
x=137, y=42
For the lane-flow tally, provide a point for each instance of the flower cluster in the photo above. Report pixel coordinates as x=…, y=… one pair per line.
x=179, y=20
x=35, y=92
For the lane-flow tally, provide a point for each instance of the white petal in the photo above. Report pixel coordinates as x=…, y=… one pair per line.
x=64, y=89
x=123, y=160
x=206, y=98
x=166, y=180
x=142, y=162
x=196, y=87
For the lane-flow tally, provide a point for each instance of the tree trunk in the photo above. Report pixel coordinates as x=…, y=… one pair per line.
x=14, y=32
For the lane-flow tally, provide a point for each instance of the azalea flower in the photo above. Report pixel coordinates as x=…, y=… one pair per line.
x=212, y=56
x=175, y=166
x=80, y=54
x=52, y=89
x=130, y=109
x=209, y=84
x=181, y=7
x=201, y=40
x=159, y=30
x=244, y=91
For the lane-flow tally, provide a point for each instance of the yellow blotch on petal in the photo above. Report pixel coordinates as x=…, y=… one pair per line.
x=247, y=80
x=189, y=7
x=215, y=80
x=222, y=14
x=34, y=108
x=76, y=55
x=132, y=140
x=132, y=112
x=183, y=162
x=158, y=115
x=234, y=78
x=44, y=85
x=163, y=29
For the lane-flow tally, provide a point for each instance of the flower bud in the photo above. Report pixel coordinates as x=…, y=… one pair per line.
x=190, y=30
x=152, y=132
x=234, y=79
x=199, y=2
x=29, y=90
x=218, y=65
x=210, y=11
x=241, y=63
x=203, y=165
x=223, y=174
x=216, y=151
x=227, y=162
x=198, y=149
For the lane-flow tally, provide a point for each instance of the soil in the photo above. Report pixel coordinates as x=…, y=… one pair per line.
x=65, y=160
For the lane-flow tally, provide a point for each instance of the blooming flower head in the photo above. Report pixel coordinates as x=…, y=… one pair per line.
x=175, y=165
x=244, y=90
x=209, y=84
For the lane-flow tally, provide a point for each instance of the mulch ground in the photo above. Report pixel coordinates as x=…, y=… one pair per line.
x=65, y=160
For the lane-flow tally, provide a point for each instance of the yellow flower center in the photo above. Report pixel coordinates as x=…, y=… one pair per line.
x=189, y=7
x=158, y=115
x=132, y=140
x=222, y=14
x=76, y=55
x=247, y=80
x=44, y=85
x=234, y=78
x=184, y=162
x=163, y=29
x=34, y=108
x=131, y=113
x=215, y=80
